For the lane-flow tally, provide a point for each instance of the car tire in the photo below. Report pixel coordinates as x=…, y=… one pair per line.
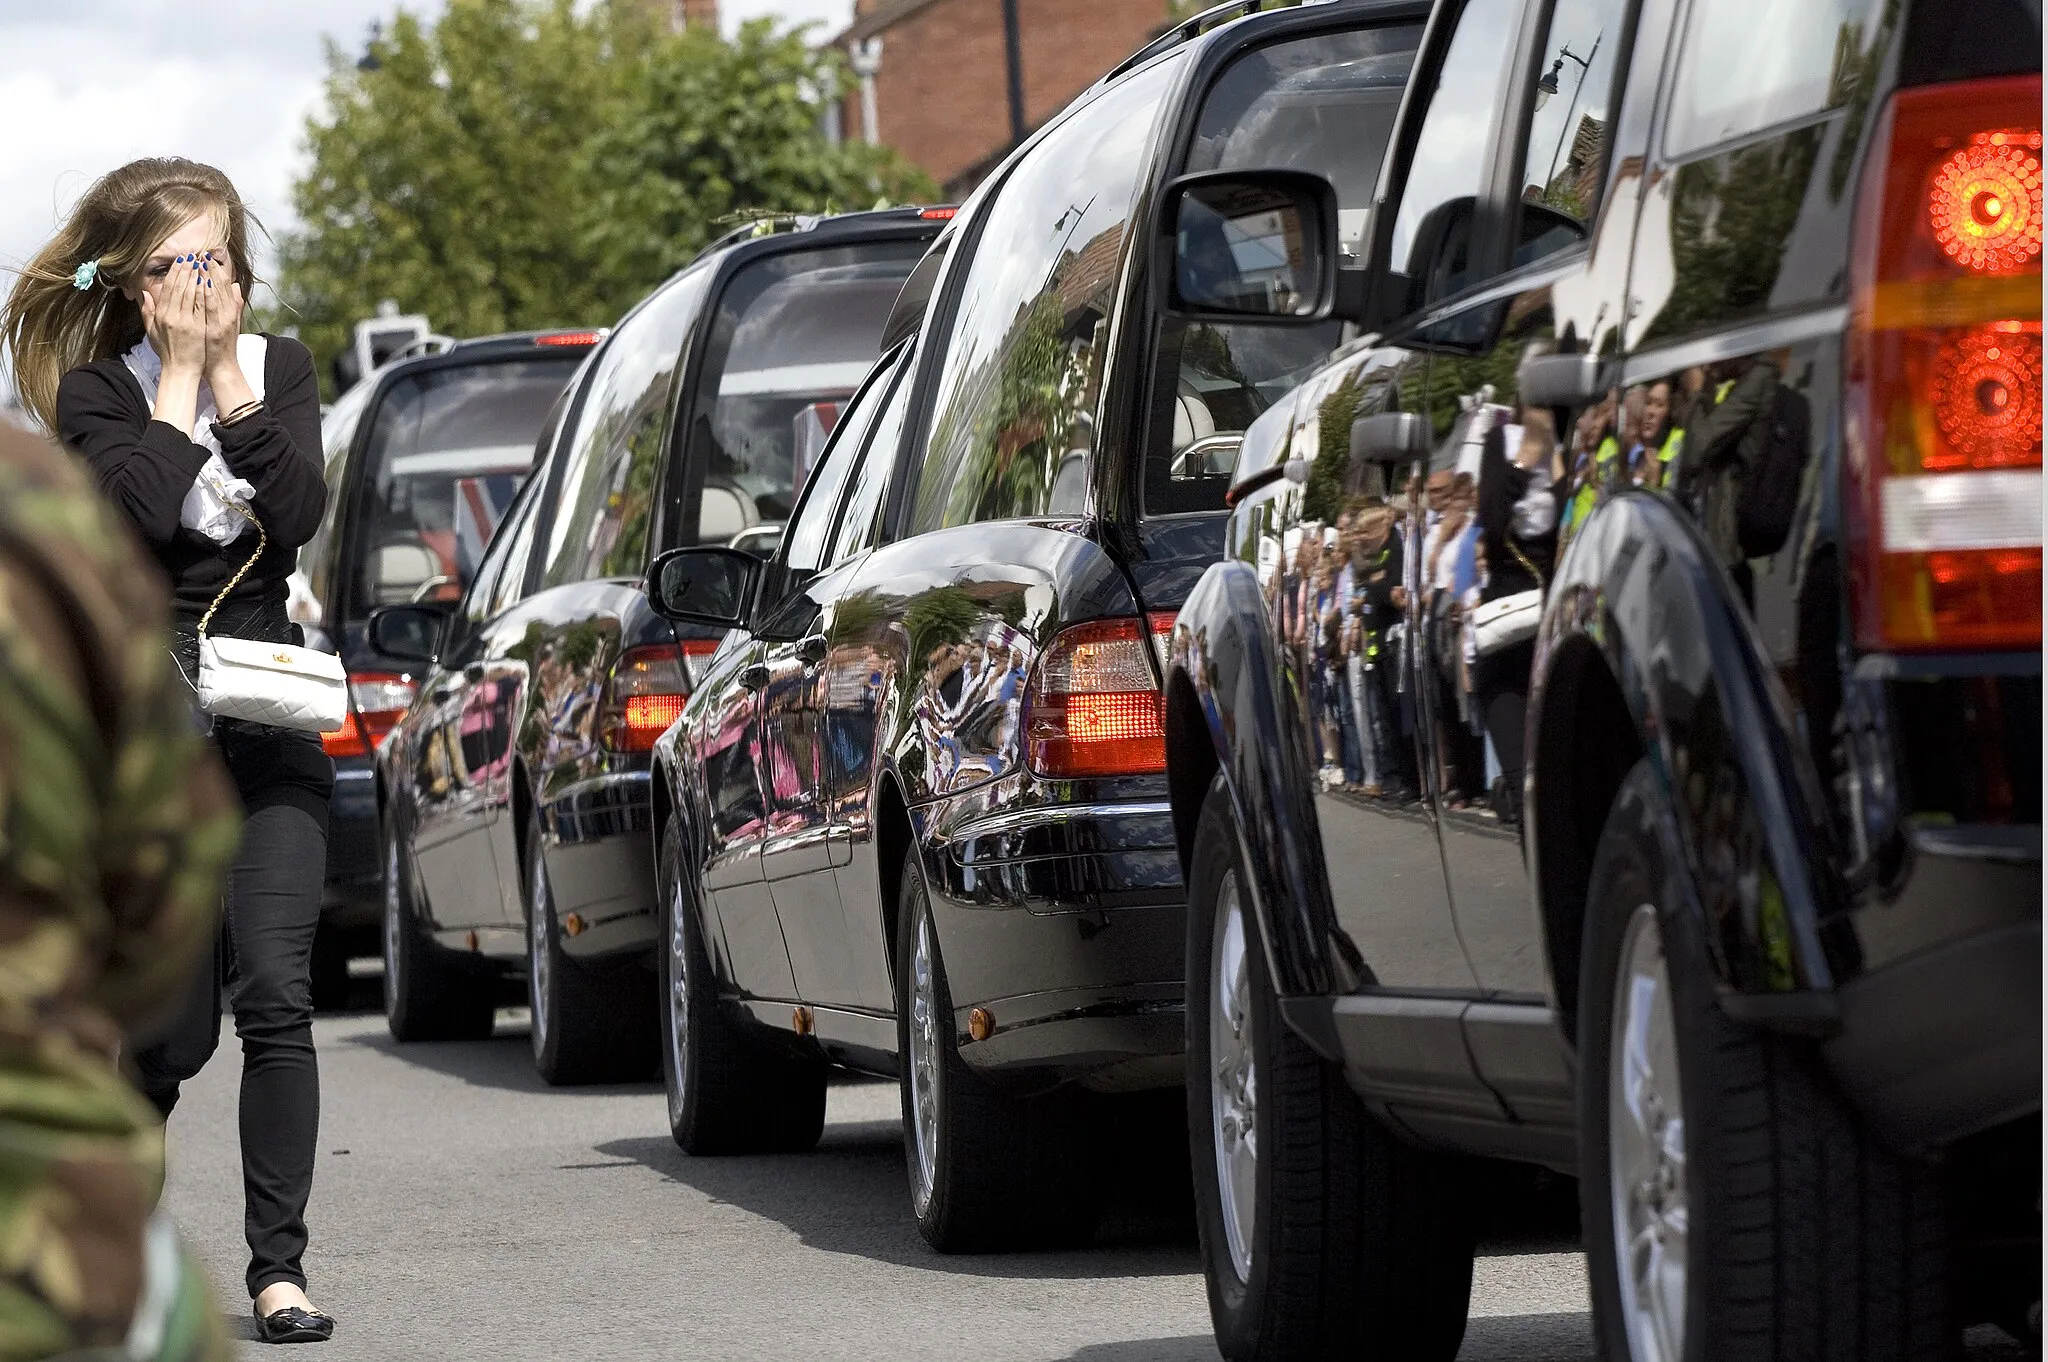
x=729, y=1091
x=590, y=1023
x=1706, y=1143
x=1354, y=1244
x=989, y=1172
x=427, y=994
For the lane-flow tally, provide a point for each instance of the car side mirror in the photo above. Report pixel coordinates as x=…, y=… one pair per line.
x=1390, y=437
x=1440, y=256
x=411, y=633
x=1546, y=231
x=1572, y=380
x=708, y=585
x=1251, y=246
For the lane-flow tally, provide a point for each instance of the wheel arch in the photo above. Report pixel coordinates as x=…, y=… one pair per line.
x=1226, y=715
x=522, y=816
x=1646, y=650
x=894, y=833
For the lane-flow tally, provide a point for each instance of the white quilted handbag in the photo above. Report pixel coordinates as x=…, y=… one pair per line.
x=278, y=684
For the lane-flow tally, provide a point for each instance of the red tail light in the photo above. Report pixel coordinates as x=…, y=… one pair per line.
x=569, y=338
x=940, y=214
x=1942, y=462
x=645, y=695
x=377, y=701
x=1094, y=707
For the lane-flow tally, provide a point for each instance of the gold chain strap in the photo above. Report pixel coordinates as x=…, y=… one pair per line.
x=262, y=543
x=1523, y=559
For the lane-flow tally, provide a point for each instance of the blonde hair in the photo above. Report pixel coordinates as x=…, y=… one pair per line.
x=51, y=325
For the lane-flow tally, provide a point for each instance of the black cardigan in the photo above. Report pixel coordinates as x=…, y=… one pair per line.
x=146, y=467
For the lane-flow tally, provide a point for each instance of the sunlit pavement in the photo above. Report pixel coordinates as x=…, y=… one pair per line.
x=465, y=1210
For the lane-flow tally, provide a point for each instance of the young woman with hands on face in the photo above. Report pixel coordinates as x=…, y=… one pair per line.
x=125, y=335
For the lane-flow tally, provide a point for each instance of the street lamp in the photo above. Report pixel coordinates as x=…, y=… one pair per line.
x=1547, y=87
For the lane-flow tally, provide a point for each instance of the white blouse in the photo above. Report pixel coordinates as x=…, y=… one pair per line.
x=210, y=501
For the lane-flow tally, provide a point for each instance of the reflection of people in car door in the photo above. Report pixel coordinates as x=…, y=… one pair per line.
x=1520, y=496
x=1730, y=436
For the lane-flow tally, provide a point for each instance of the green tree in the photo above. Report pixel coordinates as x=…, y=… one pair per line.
x=713, y=131
x=536, y=163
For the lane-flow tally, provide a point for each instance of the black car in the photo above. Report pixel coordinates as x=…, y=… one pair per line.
x=914, y=819
x=423, y=459
x=516, y=788
x=1611, y=740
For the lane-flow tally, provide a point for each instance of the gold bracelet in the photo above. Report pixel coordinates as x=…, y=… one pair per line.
x=243, y=412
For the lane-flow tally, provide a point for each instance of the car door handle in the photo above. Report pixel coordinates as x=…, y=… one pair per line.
x=812, y=650
x=755, y=677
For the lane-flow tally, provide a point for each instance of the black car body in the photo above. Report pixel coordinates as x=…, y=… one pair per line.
x=1769, y=291
x=423, y=458
x=915, y=819
x=517, y=786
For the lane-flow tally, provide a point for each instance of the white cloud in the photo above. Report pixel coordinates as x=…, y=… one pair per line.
x=96, y=83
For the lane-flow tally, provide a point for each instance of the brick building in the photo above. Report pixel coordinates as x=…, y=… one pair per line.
x=941, y=74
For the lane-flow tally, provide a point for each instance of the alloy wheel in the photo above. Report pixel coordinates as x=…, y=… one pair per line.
x=678, y=1005
x=924, y=1063
x=1233, y=1100
x=1647, y=1155
x=539, y=963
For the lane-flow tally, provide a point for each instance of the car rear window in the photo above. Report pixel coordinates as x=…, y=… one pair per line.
x=448, y=449
x=793, y=338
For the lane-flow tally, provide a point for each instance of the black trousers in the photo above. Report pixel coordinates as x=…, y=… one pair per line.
x=262, y=969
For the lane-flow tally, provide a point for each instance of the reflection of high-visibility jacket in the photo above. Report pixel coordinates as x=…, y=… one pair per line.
x=1605, y=456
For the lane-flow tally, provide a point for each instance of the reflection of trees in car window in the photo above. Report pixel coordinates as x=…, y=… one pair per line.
x=606, y=493
x=1023, y=363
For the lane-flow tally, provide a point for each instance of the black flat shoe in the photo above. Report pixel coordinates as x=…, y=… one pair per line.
x=293, y=1325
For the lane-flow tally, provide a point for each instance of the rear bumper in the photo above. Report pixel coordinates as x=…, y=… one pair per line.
x=353, y=896
x=1943, y=1039
x=1068, y=925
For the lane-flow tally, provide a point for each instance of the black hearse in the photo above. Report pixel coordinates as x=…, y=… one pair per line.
x=423, y=458
x=515, y=791
x=914, y=819
x=1612, y=738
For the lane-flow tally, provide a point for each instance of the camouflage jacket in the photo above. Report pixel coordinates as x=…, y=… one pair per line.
x=115, y=825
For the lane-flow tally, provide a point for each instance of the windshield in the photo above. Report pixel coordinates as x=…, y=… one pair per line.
x=794, y=336
x=448, y=450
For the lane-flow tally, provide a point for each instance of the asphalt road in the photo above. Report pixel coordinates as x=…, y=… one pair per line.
x=463, y=1209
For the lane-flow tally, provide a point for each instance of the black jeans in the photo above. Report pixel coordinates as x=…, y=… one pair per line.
x=262, y=967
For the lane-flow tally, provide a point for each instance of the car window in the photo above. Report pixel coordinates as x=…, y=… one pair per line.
x=1746, y=67
x=811, y=529
x=1570, y=123
x=605, y=496
x=781, y=607
x=794, y=336
x=1326, y=104
x=517, y=535
x=859, y=521
x=448, y=449
x=1448, y=167
x=1023, y=359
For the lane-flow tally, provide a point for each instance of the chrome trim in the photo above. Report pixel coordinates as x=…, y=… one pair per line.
x=1752, y=338
x=1053, y=815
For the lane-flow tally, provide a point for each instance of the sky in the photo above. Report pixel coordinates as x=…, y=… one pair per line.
x=91, y=84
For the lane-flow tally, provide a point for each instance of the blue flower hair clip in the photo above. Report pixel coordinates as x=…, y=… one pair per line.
x=82, y=278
